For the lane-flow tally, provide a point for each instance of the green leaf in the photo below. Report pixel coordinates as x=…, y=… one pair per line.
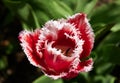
x=112, y=54
x=110, y=79
x=58, y=9
x=32, y=13
x=116, y=27
x=89, y=7
x=35, y=18
x=65, y=7
x=113, y=38
x=53, y=8
x=80, y=5
x=28, y=15
x=45, y=79
x=103, y=67
x=70, y=3
x=108, y=53
x=24, y=12
x=101, y=33
x=41, y=16
x=13, y=5
x=85, y=6
x=106, y=14
x=25, y=26
x=98, y=79
x=117, y=2
x=109, y=49
x=103, y=19
x=104, y=79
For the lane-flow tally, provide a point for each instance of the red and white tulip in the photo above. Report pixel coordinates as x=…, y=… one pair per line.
x=60, y=47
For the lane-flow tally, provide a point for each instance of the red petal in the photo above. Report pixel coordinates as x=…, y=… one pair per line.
x=56, y=62
x=28, y=43
x=70, y=75
x=85, y=66
x=62, y=40
x=82, y=67
x=65, y=37
x=80, y=21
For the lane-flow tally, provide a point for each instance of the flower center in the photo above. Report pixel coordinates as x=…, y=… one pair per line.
x=66, y=50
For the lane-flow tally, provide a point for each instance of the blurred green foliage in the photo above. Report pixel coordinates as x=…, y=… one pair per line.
x=45, y=79
x=104, y=17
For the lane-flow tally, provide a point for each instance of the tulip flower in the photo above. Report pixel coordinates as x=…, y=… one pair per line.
x=61, y=47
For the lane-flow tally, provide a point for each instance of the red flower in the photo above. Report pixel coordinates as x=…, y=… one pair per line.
x=60, y=47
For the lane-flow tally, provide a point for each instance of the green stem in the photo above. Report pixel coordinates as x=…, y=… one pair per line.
x=100, y=35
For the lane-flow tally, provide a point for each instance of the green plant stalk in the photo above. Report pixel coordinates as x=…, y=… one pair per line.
x=101, y=34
